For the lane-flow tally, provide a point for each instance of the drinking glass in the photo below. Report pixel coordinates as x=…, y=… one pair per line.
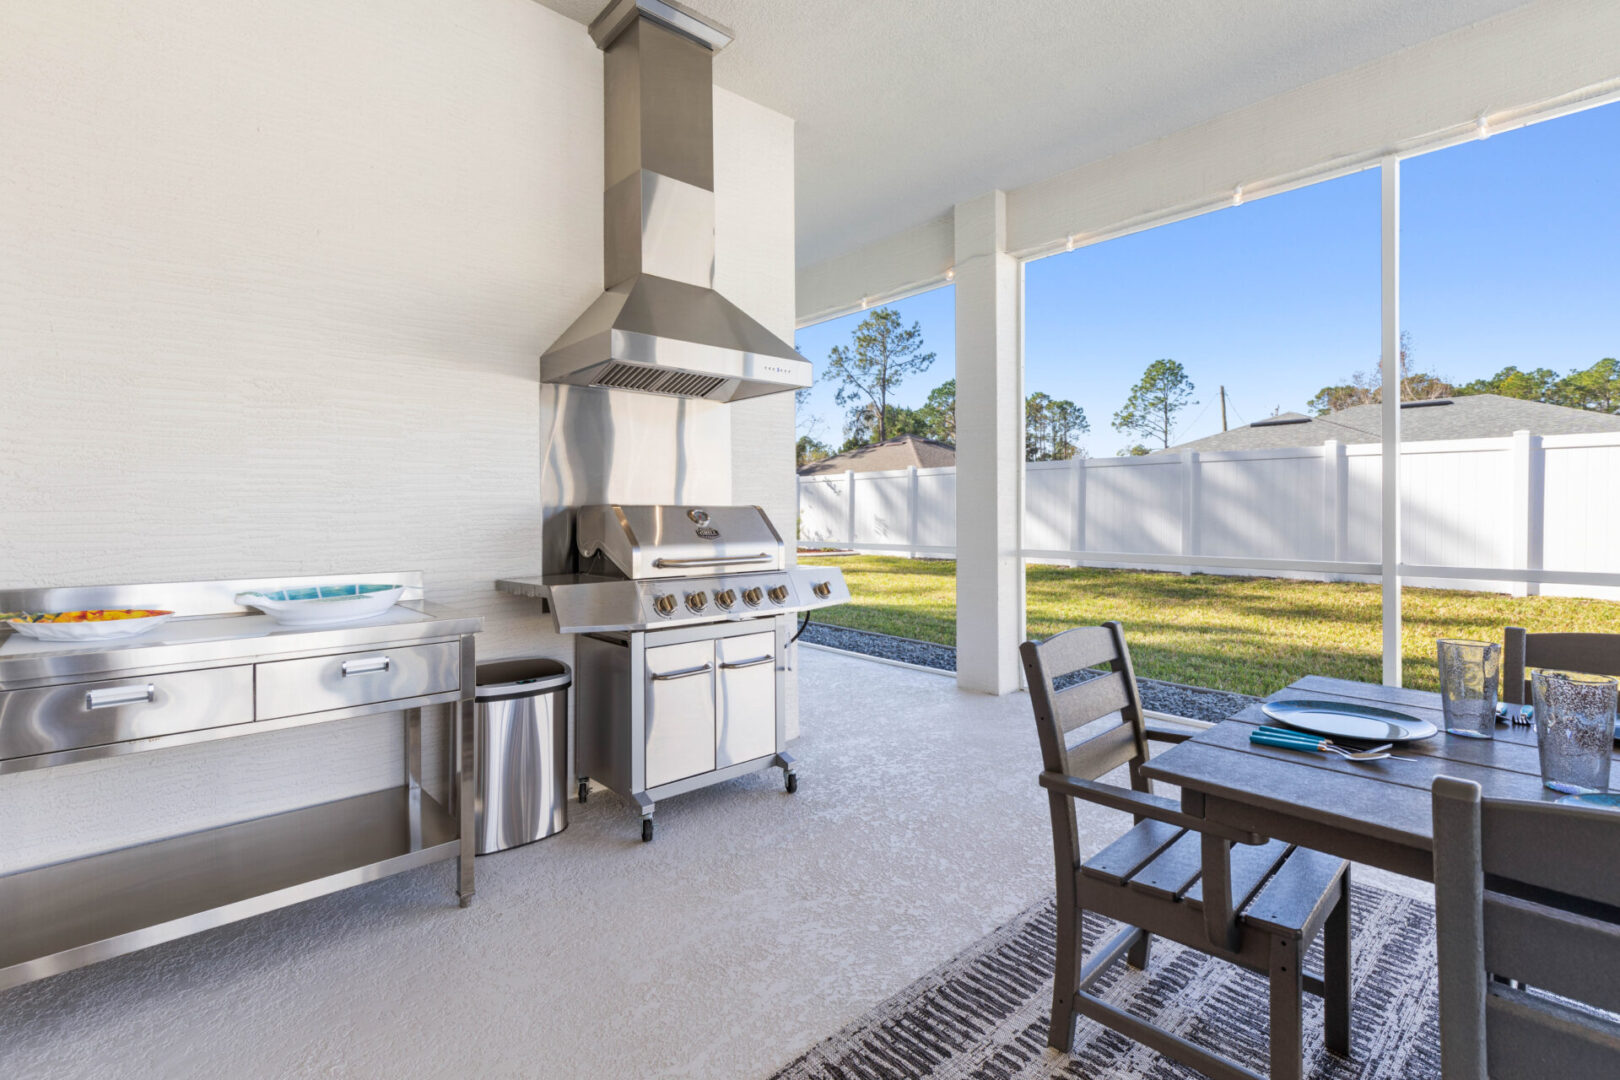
x=1574, y=729
x=1468, y=671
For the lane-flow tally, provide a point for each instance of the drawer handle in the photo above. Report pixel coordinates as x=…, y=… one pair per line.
x=110, y=697
x=365, y=667
x=684, y=673
x=755, y=662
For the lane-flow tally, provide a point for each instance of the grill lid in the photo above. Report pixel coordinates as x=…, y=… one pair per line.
x=657, y=541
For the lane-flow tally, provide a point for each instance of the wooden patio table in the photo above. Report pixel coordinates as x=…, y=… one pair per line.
x=1377, y=813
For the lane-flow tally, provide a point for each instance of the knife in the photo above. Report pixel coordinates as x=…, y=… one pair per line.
x=1287, y=740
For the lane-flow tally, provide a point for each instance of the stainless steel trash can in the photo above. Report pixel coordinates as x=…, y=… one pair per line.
x=522, y=735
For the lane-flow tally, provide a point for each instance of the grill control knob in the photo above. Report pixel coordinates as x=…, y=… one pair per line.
x=664, y=604
x=822, y=589
x=725, y=598
x=697, y=601
x=778, y=594
x=752, y=596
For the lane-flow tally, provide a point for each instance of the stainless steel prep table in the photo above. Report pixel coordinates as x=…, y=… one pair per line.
x=217, y=672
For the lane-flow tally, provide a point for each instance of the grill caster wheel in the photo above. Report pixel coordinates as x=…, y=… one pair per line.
x=646, y=830
x=792, y=782
x=584, y=790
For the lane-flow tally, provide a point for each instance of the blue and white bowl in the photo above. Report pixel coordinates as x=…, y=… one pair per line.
x=323, y=605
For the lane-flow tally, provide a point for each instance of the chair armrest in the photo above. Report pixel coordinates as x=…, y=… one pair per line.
x=1158, y=732
x=1142, y=804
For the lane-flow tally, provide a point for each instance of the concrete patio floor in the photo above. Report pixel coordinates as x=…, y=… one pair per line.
x=756, y=923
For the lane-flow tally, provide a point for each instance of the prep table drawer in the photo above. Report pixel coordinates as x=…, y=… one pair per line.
x=47, y=719
x=319, y=683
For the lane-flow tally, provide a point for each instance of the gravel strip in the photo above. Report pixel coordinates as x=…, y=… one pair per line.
x=907, y=650
x=1195, y=702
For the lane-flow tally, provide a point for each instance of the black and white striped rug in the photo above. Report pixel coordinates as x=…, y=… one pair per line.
x=983, y=1015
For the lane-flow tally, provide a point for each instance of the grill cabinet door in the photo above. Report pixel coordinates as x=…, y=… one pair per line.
x=745, y=720
x=680, y=711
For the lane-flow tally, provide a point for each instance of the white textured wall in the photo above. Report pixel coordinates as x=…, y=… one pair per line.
x=753, y=226
x=273, y=284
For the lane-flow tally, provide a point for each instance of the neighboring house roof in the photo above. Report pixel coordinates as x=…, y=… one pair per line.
x=1468, y=416
x=900, y=453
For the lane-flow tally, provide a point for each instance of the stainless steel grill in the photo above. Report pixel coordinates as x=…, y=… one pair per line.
x=682, y=611
x=684, y=621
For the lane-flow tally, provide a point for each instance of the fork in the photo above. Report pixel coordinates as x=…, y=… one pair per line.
x=1517, y=715
x=1298, y=740
x=1372, y=753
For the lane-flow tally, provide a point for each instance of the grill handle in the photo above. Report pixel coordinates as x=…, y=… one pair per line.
x=684, y=673
x=730, y=560
x=755, y=662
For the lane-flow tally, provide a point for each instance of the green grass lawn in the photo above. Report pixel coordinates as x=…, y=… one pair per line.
x=1250, y=635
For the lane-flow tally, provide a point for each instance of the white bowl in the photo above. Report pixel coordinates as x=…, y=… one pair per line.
x=324, y=605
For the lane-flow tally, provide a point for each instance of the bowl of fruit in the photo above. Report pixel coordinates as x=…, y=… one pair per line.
x=99, y=624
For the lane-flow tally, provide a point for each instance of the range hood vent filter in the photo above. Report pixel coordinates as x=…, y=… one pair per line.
x=660, y=327
x=651, y=380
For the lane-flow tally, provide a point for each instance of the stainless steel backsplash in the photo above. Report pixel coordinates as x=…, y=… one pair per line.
x=615, y=446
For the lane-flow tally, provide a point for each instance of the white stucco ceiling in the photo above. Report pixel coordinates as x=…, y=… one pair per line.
x=906, y=107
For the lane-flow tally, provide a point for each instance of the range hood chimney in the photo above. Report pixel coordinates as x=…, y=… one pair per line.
x=660, y=327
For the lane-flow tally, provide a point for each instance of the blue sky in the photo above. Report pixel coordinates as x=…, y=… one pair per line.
x=1510, y=255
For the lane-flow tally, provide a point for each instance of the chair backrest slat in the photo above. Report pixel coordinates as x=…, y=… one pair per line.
x=1514, y=845
x=1531, y=1038
x=1089, y=701
x=1082, y=647
x=1593, y=654
x=1526, y=891
x=1568, y=953
x=1103, y=753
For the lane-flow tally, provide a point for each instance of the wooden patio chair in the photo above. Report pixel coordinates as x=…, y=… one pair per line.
x=1260, y=907
x=1527, y=896
x=1591, y=654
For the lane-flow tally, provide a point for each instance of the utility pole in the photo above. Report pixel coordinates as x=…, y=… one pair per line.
x=1223, y=408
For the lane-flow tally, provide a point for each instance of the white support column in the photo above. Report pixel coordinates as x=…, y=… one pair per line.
x=1391, y=365
x=912, y=507
x=1527, y=508
x=989, y=450
x=1077, y=506
x=849, y=505
x=1189, y=506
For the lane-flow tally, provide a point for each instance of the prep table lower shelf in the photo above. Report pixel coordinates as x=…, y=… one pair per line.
x=70, y=914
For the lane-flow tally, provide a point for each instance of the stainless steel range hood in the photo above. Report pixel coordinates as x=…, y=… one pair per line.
x=660, y=327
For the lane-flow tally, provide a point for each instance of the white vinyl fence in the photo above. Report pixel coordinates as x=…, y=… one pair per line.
x=1525, y=514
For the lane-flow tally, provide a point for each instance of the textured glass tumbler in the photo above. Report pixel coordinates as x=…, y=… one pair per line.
x=1468, y=676
x=1574, y=729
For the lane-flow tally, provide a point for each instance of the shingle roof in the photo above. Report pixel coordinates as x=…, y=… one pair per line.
x=899, y=453
x=1469, y=416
